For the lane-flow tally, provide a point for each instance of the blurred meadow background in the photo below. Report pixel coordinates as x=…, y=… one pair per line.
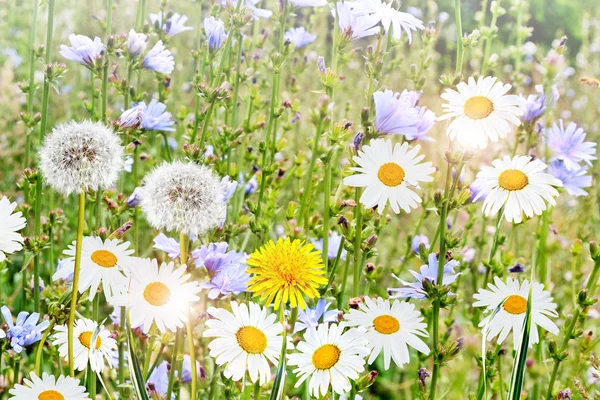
x=251, y=109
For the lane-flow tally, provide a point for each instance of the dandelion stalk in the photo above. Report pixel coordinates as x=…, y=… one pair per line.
x=75, y=287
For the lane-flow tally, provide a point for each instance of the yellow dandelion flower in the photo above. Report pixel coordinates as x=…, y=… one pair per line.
x=286, y=271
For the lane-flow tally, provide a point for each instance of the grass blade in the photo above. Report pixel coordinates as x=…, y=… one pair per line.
x=137, y=378
x=518, y=373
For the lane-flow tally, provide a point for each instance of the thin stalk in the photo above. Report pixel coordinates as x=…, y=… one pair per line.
x=47, y=60
x=459, y=38
x=31, y=87
x=40, y=348
x=75, y=287
x=358, y=217
x=38, y=231
x=178, y=339
x=488, y=43
x=326, y=193
x=183, y=248
x=121, y=371
x=306, y=198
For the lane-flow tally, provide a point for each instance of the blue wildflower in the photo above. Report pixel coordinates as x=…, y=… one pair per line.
x=136, y=43
x=64, y=263
x=308, y=3
x=186, y=369
x=172, y=26
x=535, y=105
x=228, y=187
x=251, y=186
x=335, y=241
x=134, y=199
x=574, y=181
x=231, y=279
x=83, y=50
x=398, y=113
x=428, y=271
x=477, y=192
x=569, y=147
x=25, y=330
x=159, y=59
x=417, y=241
x=151, y=117
x=355, y=27
x=251, y=5
x=167, y=244
x=210, y=256
x=215, y=32
x=299, y=37
x=158, y=381
x=312, y=317
x=128, y=165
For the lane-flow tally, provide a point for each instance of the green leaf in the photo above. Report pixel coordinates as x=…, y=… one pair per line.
x=137, y=378
x=518, y=373
x=279, y=384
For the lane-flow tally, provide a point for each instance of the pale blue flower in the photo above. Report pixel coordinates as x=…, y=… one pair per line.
x=128, y=167
x=398, y=113
x=251, y=5
x=168, y=245
x=335, y=241
x=312, y=317
x=569, y=147
x=136, y=43
x=215, y=32
x=228, y=187
x=158, y=381
x=186, y=369
x=353, y=26
x=25, y=330
x=389, y=17
x=231, y=279
x=428, y=271
x=477, y=192
x=574, y=181
x=308, y=3
x=417, y=241
x=535, y=105
x=149, y=117
x=83, y=50
x=134, y=199
x=61, y=264
x=173, y=25
x=159, y=59
x=299, y=37
x=251, y=186
x=211, y=256
x=12, y=55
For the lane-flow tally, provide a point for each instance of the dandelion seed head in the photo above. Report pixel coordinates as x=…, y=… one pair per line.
x=81, y=156
x=183, y=197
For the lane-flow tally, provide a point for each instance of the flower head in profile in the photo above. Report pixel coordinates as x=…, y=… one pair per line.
x=285, y=272
x=574, y=181
x=569, y=146
x=389, y=17
x=183, y=197
x=427, y=272
x=299, y=37
x=535, y=105
x=330, y=357
x=173, y=25
x=312, y=317
x=335, y=242
x=159, y=59
x=389, y=173
x=105, y=262
x=308, y=3
x=247, y=338
x=25, y=330
x=391, y=329
x=84, y=331
x=398, y=113
x=10, y=224
x=48, y=388
x=481, y=111
x=83, y=50
x=417, y=241
x=157, y=383
x=215, y=32
x=251, y=5
x=81, y=156
x=355, y=27
x=226, y=269
x=519, y=186
x=506, y=306
x=136, y=43
x=151, y=117
x=158, y=295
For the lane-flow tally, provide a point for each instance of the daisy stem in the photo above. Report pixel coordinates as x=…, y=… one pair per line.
x=38, y=356
x=122, y=350
x=541, y=259
x=306, y=198
x=176, y=346
x=183, y=248
x=38, y=231
x=459, y=38
x=357, y=241
x=75, y=287
x=326, y=197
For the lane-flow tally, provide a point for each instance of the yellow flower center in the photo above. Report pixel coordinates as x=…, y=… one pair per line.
x=104, y=258
x=50, y=395
x=478, y=107
x=86, y=337
x=391, y=174
x=326, y=356
x=157, y=294
x=251, y=339
x=386, y=324
x=515, y=304
x=512, y=179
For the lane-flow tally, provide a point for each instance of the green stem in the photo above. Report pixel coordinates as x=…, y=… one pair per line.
x=40, y=348
x=306, y=198
x=47, y=60
x=31, y=87
x=326, y=196
x=75, y=287
x=174, y=355
x=459, y=38
x=358, y=217
x=38, y=231
x=121, y=371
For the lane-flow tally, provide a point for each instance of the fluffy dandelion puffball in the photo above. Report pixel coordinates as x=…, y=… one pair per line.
x=49, y=388
x=285, y=272
x=81, y=156
x=183, y=197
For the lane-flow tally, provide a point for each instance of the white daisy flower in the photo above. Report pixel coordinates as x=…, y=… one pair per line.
x=81, y=156
x=391, y=173
x=161, y=295
x=10, y=224
x=391, y=328
x=83, y=332
x=246, y=340
x=183, y=197
x=519, y=185
x=330, y=357
x=510, y=301
x=49, y=388
x=481, y=111
x=105, y=262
